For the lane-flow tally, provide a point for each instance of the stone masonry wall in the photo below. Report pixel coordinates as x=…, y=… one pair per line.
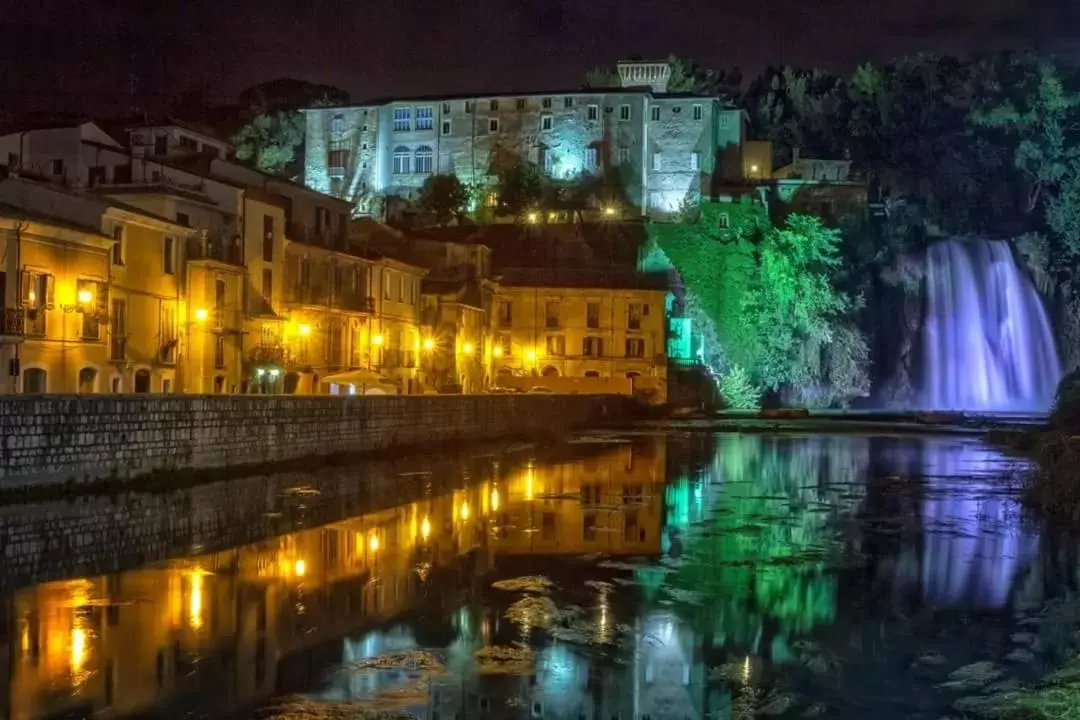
x=54, y=439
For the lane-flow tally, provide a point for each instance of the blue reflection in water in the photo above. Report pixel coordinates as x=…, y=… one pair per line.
x=975, y=548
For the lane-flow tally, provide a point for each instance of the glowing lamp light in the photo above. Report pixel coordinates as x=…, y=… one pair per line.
x=497, y=351
x=373, y=542
x=201, y=314
x=304, y=330
x=753, y=168
x=553, y=216
x=495, y=499
x=465, y=510
x=532, y=217
x=467, y=348
x=259, y=372
x=425, y=528
x=85, y=297
x=274, y=372
x=429, y=343
x=299, y=568
x=195, y=602
x=378, y=339
x=78, y=650
x=609, y=211
x=531, y=355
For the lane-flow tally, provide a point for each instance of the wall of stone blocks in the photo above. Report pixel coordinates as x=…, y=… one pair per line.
x=56, y=439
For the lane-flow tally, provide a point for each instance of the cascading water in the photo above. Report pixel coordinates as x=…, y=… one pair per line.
x=987, y=342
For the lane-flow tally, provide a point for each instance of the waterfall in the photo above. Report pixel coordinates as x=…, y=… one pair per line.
x=987, y=342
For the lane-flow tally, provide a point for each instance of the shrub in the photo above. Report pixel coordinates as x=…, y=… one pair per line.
x=739, y=391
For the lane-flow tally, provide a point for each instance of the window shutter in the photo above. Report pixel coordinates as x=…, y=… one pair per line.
x=26, y=285
x=50, y=285
x=101, y=292
x=645, y=309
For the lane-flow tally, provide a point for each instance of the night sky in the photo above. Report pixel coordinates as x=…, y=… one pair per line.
x=93, y=56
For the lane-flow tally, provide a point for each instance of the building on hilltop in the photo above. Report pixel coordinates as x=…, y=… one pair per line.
x=665, y=147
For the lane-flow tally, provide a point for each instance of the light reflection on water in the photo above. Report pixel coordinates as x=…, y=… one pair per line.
x=689, y=575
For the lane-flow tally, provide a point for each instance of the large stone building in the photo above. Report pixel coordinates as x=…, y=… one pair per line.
x=666, y=147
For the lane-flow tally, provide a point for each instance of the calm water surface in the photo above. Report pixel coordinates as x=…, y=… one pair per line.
x=649, y=576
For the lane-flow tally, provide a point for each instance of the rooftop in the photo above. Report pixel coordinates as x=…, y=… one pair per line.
x=613, y=278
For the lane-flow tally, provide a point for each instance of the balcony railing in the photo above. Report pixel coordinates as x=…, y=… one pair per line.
x=345, y=300
x=13, y=321
x=217, y=249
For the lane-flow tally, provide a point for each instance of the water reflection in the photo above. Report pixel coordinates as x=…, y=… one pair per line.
x=667, y=577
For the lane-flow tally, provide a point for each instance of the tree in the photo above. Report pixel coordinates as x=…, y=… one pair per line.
x=272, y=136
x=521, y=187
x=691, y=77
x=270, y=141
x=444, y=197
x=601, y=78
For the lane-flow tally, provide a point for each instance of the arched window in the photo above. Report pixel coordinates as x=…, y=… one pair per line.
x=401, y=160
x=423, y=160
x=550, y=371
x=87, y=380
x=35, y=381
x=592, y=373
x=142, y=381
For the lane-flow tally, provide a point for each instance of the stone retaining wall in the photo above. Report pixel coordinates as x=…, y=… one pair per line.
x=55, y=439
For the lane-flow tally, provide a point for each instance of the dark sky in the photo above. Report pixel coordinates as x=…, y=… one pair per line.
x=93, y=55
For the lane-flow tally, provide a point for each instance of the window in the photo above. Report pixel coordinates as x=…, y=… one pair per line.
x=12, y=161
x=168, y=252
x=657, y=162
x=548, y=161
x=57, y=167
x=35, y=381
x=446, y=127
x=183, y=219
x=161, y=144
x=118, y=245
x=468, y=106
x=592, y=112
x=219, y=384
x=551, y=314
x=622, y=155
x=592, y=315
x=591, y=158
x=654, y=112
x=96, y=175
x=698, y=112
x=121, y=174
x=493, y=124
x=337, y=125
x=634, y=313
x=402, y=119
x=337, y=157
x=446, y=108
x=556, y=345
x=118, y=324
x=624, y=112
x=87, y=380
x=219, y=293
x=546, y=103
x=166, y=386
x=635, y=347
x=387, y=283
x=546, y=122
x=724, y=121
x=503, y=343
x=521, y=103
x=656, y=199
x=695, y=161
x=724, y=221
x=493, y=106
x=268, y=238
x=219, y=351
x=568, y=102
x=592, y=346
x=401, y=160
x=268, y=286
x=588, y=527
x=91, y=316
x=506, y=313
x=423, y=159
x=425, y=118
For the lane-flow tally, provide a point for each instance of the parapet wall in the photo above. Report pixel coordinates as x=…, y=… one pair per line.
x=55, y=439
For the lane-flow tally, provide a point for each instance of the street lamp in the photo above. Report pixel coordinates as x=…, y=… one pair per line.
x=201, y=315
x=304, y=330
x=497, y=351
x=377, y=340
x=467, y=348
x=429, y=344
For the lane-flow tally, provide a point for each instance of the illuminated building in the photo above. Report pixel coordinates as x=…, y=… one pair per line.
x=666, y=146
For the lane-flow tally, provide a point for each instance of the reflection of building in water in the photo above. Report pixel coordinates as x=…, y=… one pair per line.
x=611, y=503
x=217, y=628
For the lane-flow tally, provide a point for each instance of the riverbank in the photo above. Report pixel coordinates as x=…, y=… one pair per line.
x=84, y=441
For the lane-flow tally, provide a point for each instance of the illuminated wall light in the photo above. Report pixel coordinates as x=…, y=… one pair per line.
x=530, y=355
x=425, y=528
x=378, y=339
x=78, y=649
x=429, y=343
x=85, y=297
x=373, y=542
x=465, y=510
x=201, y=314
x=195, y=602
x=530, y=481
x=609, y=211
x=497, y=351
x=304, y=330
x=467, y=348
x=495, y=499
x=532, y=217
x=299, y=568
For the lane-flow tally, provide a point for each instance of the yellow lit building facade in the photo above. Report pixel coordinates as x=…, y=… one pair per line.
x=560, y=324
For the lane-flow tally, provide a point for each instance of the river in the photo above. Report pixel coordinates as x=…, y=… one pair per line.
x=657, y=575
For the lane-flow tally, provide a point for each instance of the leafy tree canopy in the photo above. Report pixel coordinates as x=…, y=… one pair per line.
x=444, y=198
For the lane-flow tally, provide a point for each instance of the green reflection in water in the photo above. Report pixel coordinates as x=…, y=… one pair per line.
x=759, y=563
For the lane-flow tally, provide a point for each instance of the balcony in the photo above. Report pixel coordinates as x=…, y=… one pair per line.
x=216, y=249
x=357, y=302
x=118, y=349
x=297, y=294
x=13, y=319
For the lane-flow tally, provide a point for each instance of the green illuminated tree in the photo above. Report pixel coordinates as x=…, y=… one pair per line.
x=270, y=141
x=444, y=198
x=521, y=187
